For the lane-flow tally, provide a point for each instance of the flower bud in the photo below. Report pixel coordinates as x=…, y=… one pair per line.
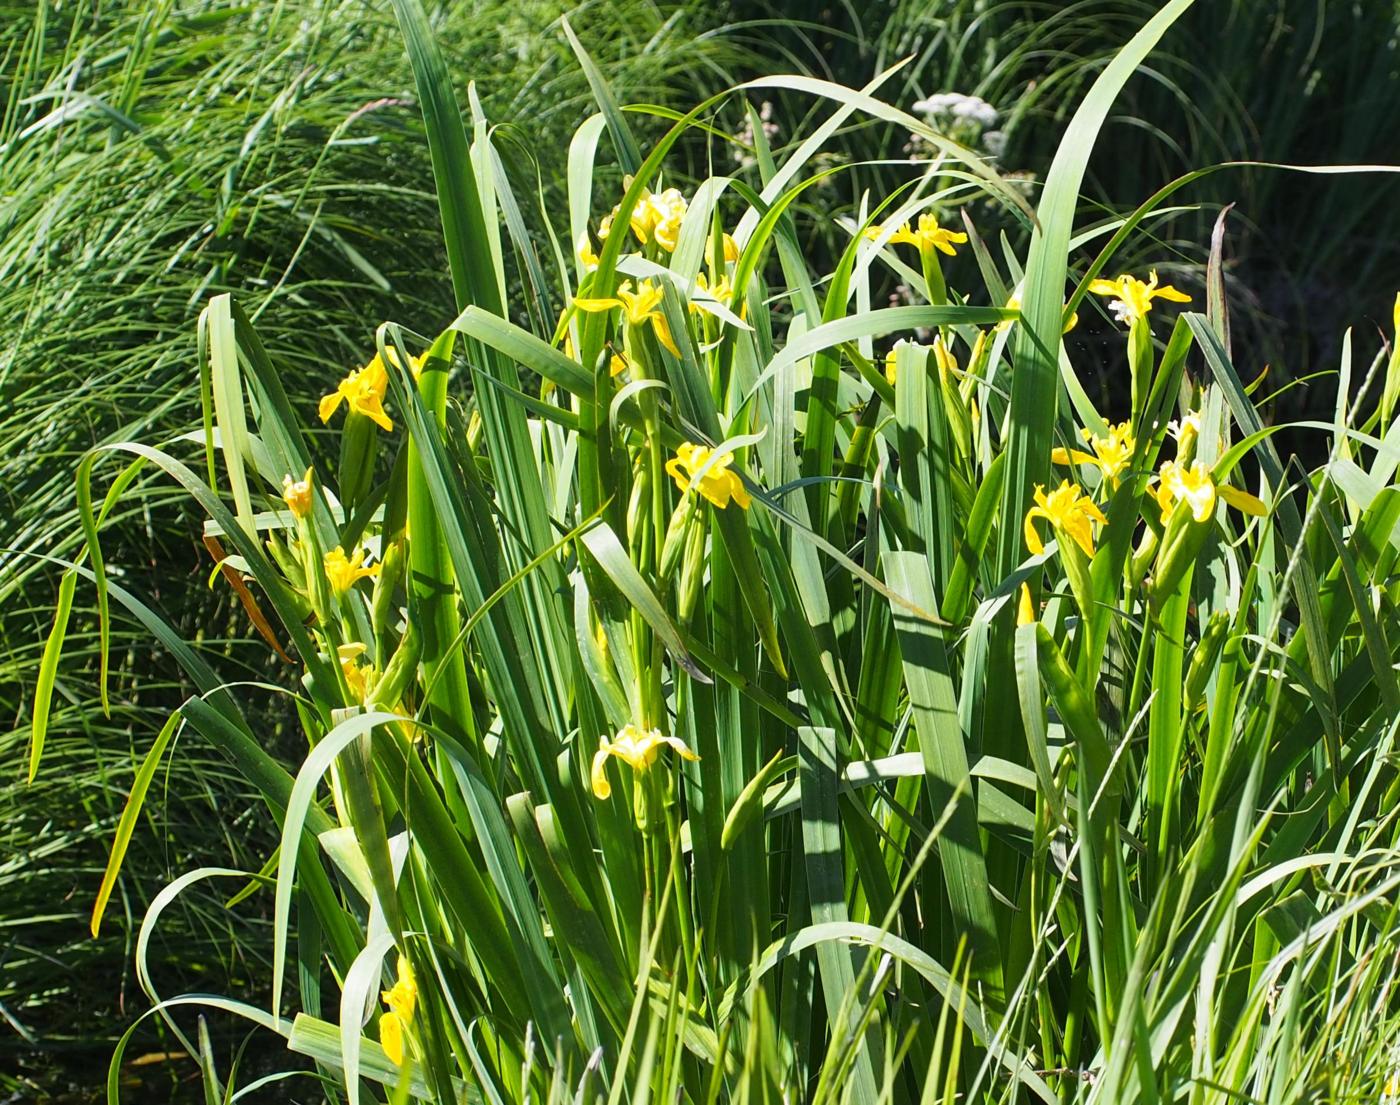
x=400, y=671
x=1204, y=658
x=297, y=494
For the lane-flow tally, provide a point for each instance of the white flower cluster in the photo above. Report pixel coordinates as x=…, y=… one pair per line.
x=973, y=109
x=966, y=119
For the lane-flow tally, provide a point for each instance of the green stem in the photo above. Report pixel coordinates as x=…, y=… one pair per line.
x=432, y=584
x=933, y=276
x=1164, y=728
x=673, y=836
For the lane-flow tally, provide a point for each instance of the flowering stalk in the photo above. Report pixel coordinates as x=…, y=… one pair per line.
x=649, y=659
x=1132, y=302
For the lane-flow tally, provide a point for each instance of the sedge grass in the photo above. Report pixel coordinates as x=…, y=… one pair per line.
x=837, y=760
x=153, y=155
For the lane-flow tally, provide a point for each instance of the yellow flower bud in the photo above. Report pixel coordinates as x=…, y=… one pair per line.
x=297, y=494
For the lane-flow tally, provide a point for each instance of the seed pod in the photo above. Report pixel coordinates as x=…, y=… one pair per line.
x=692, y=573
x=1180, y=546
x=676, y=535
x=358, y=444
x=400, y=672
x=383, y=607
x=283, y=557
x=1075, y=706
x=1203, y=660
x=955, y=405
x=1076, y=566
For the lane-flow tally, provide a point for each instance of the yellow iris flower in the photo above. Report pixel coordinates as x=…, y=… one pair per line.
x=638, y=308
x=731, y=250
x=349, y=657
x=1186, y=430
x=929, y=235
x=401, y=999
x=1132, y=298
x=635, y=747
x=891, y=367
x=364, y=391
x=1197, y=488
x=941, y=355
x=586, y=256
x=719, y=485
x=297, y=494
x=1069, y=511
x=722, y=292
x=1110, y=455
x=343, y=572
x=617, y=365
x=668, y=233
x=1025, y=608
x=657, y=215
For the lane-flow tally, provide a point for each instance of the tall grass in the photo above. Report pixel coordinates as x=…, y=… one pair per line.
x=710, y=693
x=155, y=155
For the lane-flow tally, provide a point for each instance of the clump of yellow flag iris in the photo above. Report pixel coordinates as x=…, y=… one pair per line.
x=701, y=473
x=1070, y=512
x=707, y=473
x=1186, y=494
x=655, y=225
x=364, y=392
